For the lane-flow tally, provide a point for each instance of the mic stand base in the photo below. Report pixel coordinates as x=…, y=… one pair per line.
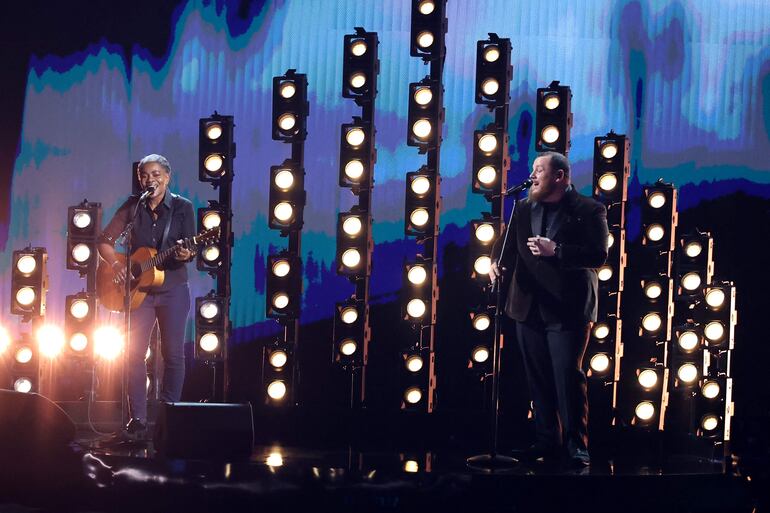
x=492, y=463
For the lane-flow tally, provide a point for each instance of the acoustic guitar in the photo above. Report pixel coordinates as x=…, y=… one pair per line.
x=145, y=275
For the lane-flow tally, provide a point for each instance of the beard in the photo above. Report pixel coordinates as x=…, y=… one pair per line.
x=543, y=191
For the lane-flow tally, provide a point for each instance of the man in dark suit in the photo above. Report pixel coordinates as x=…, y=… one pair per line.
x=557, y=241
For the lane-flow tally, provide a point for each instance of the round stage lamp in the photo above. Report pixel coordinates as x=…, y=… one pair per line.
x=50, y=340
x=609, y=150
x=550, y=134
x=78, y=342
x=648, y=378
x=284, y=179
x=349, y=314
x=354, y=169
x=610, y=240
x=280, y=300
x=715, y=298
x=551, y=101
x=422, y=128
x=419, y=217
x=425, y=39
x=348, y=346
x=417, y=275
x=209, y=342
x=108, y=342
x=352, y=225
x=79, y=309
x=213, y=164
x=416, y=308
x=481, y=322
x=485, y=232
x=276, y=390
x=274, y=459
x=599, y=362
x=655, y=232
x=287, y=121
x=423, y=96
x=411, y=466
x=487, y=143
x=358, y=47
x=714, y=331
x=483, y=265
x=601, y=330
x=355, y=136
x=693, y=249
x=688, y=340
x=351, y=258
x=652, y=290
x=709, y=422
x=281, y=268
x=710, y=390
x=213, y=131
x=413, y=395
x=414, y=363
x=656, y=200
x=211, y=219
x=426, y=7
x=25, y=296
x=652, y=322
x=26, y=265
x=81, y=219
x=420, y=185
x=480, y=354
x=691, y=281
x=23, y=355
x=687, y=373
x=209, y=310
x=357, y=80
x=645, y=410
x=491, y=53
x=490, y=86
x=81, y=253
x=23, y=385
x=608, y=182
x=605, y=273
x=283, y=211
x=487, y=175
x=278, y=358
x=210, y=253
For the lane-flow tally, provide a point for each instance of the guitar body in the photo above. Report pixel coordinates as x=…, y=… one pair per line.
x=111, y=294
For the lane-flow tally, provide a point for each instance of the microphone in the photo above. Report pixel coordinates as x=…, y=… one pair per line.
x=149, y=191
x=526, y=184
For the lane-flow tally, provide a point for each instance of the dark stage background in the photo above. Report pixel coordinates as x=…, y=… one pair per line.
x=89, y=87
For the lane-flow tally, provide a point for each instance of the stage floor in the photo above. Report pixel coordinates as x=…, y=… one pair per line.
x=129, y=477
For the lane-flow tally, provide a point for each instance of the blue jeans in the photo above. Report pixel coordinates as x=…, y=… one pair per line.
x=170, y=308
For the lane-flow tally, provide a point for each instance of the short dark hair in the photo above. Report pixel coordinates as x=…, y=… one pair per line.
x=558, y=161
x=154, y=157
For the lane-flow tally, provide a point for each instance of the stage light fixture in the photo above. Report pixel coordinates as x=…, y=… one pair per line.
x=480, y=354
x=421, y=204
x=484, y=234
x=612, y=168
x=688, y=337
x=694, y=264
x=419, y=303
x=714, y=408
x=360, y=66
x=23, y=385
x=413, y=395
x=659, y=216
x=428, y=28
x=210, y=257
x=553, y=118
x=493, y=71
x=290, y=107
x=84, y=223
x=351, y=333
x=357, y=155
x=354, y=244
x=414, y=363
x=29, y=282
x=599, y=363
x=490, y=158
x=79, y=319
x=276, y=390
x=211, y=327
x=284, y=281
x=23, y=355
x=718, y=316
x=481, y=320
x=657, y=314
x=424, y=115
x=108, y=342
x=216, y=149
x=287, y=197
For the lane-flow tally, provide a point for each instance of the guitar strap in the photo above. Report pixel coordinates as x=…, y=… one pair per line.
x=168, y=221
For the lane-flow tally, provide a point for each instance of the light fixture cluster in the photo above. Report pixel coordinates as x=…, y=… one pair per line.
x=29, y=283
x=24, y=364
x=84, y=223
x=79, y=324
x=553, y=118
x=211, y=326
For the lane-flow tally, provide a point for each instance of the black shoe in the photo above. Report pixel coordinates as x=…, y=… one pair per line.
x=541, y=453
x=136, y=429
x=579, y=459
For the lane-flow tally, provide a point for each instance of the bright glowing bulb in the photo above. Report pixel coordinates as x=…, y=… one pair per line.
x=26, y=264
x=278, y=358
x=23, y=385
x=652, y=322
x=276, y=390
x=213, y=164
x=81, y=253
x=655, y=232
x=284, y=179
x=287, y=121
x=691, y=281
x=413, y=395
x=693, y=249
x=601, y=331
x=50, y=340
x=714, y=331
x=81, y=219
x=480, y=354
x=283, y=211
x=351, y=258
x=281, y=268
x=419, y=217
x=352, y=225
x=656, y=199
x=354, y=169
x=211, y=220
x=688, y=373
x=481, y=322
x=491, y=53
x=108, y=342
x=79, y=308
x=355, y=137
x=274, y=459
x=416, y=308
x=609, y=150
x=423, y=95
x=424, y=39
x=280, y=300
x=420, y=185
x=648, y=378
x=715, y=298
x=209, y=310
x=209, y=342
x=645, y=410
x=610, y=240
x=600, y=362
x=211, y=253
x=483, y=265
x=485, y=232
x=78, y=342
x=417, y=275
x=709, y=422
x=25, y=296
x=422, y=128
x=414, y=363
x=608, y=182
x=710, y=390
x=348, y=347
x=487, y=175
x=605, y=272
x=551, y=101
x=411, y=466
x=358, y=47
x=214, y=131
x=487, y=143
x=357, y=80
x=550, y=134
x=349, y=314
x=653, y=290
x=426, y=7
x=23, y=355
x=287, y=89
x=688, y=340
x=490, y=86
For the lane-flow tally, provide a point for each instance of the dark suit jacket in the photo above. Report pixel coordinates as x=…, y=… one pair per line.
x=563, y=287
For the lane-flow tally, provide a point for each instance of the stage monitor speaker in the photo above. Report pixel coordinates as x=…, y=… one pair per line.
x=204, y=431
x=32, y=424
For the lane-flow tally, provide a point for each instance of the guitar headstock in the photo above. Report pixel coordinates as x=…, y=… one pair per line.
x=207, y=236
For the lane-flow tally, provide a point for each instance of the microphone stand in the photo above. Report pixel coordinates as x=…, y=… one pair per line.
x=492, y=461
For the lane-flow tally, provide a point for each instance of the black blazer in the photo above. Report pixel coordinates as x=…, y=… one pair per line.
x=563, y=287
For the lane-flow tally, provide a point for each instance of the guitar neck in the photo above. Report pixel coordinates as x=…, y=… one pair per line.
x=162, y=255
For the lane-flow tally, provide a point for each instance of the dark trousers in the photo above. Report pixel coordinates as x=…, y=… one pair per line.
x=553, y=360
x=170, y=308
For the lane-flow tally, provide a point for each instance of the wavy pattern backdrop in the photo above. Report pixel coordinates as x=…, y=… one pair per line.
x=688, y=80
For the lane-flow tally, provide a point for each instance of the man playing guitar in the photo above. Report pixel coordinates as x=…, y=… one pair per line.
x=162, y=221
